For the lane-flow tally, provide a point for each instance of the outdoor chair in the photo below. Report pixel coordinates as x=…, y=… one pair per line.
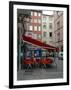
x=28, y=63
x=46, y=62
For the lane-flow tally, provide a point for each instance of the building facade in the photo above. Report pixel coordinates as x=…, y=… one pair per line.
x=58, y=29
x=35, y=27
x=48, y=29
x=44, y=28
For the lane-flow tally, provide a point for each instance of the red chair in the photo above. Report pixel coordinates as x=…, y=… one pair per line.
x=47, y=61
x=28, y=62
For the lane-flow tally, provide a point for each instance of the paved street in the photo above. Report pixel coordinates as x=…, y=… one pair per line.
x=52, y=71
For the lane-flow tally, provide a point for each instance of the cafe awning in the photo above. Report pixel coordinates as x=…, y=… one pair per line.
x=37, y=43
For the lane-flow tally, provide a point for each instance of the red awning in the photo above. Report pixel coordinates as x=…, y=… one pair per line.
x=37, y=42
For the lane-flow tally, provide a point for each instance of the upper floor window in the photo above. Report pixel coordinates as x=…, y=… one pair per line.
x=35, y=28
x=35, y=20
x=31, y=28
x=35, y=13
x=50, y=34
x=39, y=14
x=44, y=27
x=39, y=36
x=39, y=28
x=31, y=13
x=44, y=18
x=50, y=25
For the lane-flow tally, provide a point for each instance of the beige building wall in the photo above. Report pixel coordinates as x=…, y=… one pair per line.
x=49, y=22
x=58, y=29
x=44, y=29
x=51, y=30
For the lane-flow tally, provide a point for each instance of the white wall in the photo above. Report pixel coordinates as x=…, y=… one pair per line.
x=4, y=47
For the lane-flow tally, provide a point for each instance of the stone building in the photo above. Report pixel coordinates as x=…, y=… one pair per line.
x=58, y=29
x=35, y=28
x=48, y=29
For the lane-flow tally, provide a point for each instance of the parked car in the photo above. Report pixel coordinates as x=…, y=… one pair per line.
x=60, y=56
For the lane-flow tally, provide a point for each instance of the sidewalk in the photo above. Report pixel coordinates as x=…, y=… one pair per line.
x=50, y=72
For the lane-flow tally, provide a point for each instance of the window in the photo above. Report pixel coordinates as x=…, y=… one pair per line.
x=44, y=27
x=44, y=18
x=35, y=28
x=39, y=14
x=50, y=34
x=31, y=28
x=35, y=20
x=39, y=36
x=35, y=13
x=31, y=13
x=50, y=25
x=39, y=28
x=44, y=34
